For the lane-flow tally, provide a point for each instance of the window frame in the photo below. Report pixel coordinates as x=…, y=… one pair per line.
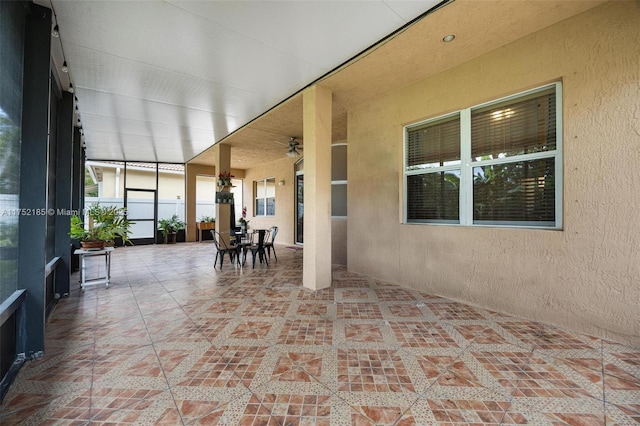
x=467, y=164
x=265, y=198
x=339, y=182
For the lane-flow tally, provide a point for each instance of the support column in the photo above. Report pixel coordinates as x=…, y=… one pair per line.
x=317, y=105
x=64, y=189
x=33, y=177
x=190, y=200
x=77, y=172
x=222, y=155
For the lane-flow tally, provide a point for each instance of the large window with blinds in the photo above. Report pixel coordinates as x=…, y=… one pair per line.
x=265, y=196
x=496, y=164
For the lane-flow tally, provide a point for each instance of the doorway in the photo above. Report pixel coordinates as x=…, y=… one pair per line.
x=299, y=232
x=142, y=208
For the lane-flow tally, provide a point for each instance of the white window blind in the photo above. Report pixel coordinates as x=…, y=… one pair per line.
x=510, y=174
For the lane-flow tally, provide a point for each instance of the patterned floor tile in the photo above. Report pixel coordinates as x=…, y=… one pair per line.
x=123, y=334
x=422, y=334
x=464, y=405
x=298, y=367
x=267, y=308
x=213, y=329
x=130, y=406
x=363, y=333
x=454, y=311
x=559, y=412
x=313, y=309
x=58, y=334
x=308, y=295
x=224, y=367
x=372, y=370
x=541, y=379
x=396, y=294
x=551, y=338
x=480, y=334
x=623, y=414
x=71, y=408
x=180, y=330
x=471, y=412
x=507, y=368
x=289, y=409
x=380, y=408
x=358, y=310
x=187, y=296
x=306, y=332
x=521, y=333
x=127, y=368
x=177, y=342
x=407, y=310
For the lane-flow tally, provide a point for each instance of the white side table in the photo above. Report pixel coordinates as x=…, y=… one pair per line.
x=84, y=253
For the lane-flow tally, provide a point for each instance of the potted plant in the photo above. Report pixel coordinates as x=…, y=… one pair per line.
x=244, y=223
x=106, y=224
x=170, y=227
x=224, y=180
x=206, y=223
x=89, y=237
x=113, y=222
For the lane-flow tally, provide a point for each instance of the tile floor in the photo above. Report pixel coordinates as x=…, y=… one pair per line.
x=174, y=342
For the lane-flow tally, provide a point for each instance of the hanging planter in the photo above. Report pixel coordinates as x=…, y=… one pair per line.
x=224, y=181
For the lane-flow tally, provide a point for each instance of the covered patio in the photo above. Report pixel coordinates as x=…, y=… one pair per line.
x=462, y=179
x=174, y=341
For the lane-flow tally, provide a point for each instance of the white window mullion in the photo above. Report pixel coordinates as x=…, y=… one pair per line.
x=405, y=206
x=558, y=160
x=466, y=170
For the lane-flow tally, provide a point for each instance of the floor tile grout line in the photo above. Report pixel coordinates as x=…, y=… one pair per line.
x=164, y=374
x=604, y=386
x=169, y=387
x=93, y=363
x=517, y=386
x=530, y=358
x=209, y=341
x=547, y=381
x=533, y=350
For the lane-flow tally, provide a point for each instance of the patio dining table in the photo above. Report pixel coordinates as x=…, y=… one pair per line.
x=245, y=242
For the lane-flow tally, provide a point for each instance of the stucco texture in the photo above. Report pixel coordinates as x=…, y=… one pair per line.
x=585, y=277
x=283, y=170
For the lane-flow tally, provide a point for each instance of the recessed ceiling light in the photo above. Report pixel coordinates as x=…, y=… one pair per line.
x=448, y=38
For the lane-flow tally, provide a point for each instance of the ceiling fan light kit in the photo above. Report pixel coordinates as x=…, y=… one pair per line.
x=293, y=145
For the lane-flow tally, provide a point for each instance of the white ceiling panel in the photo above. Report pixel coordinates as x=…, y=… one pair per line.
x=318, y=32
x=109, y=74
x=164, y=80
x=408, y=10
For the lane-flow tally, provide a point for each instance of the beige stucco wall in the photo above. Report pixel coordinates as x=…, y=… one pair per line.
x=171, y=185
x=284, y=219
x=285, y=207
x=339, y=241
x=585, y=277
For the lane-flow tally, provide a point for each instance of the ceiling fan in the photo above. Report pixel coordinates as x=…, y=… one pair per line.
x=294, y=147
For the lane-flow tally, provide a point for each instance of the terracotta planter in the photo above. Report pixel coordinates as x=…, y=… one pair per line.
x=91, y=244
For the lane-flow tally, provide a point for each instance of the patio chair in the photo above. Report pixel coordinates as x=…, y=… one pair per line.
x=269, y=243
x=222, y=249
x=257, y=247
